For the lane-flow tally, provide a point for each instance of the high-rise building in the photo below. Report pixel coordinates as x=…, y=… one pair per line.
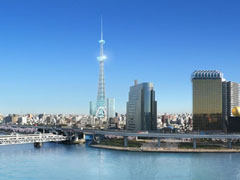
x=92, y=108
x=233, y=96
x=208, y=100
x=110, y=108
x=213, y=100
x=142, y=108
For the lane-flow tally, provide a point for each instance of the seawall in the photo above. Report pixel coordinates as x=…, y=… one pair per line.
x=166, y=150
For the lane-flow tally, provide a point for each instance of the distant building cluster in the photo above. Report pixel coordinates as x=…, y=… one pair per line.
x=164, y=123
x=79, y=121
x=43, y=119
x=175, y=122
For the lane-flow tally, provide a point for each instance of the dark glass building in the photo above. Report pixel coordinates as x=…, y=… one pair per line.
x=141, y=108
x=233, y=124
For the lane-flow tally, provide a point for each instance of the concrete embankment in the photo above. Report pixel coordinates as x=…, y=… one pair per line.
x=166, y=150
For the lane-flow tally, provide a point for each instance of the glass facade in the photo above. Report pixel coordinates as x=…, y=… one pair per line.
x=208, y=102
x=233, y=96
x=213, y=100
x=92, y=108
x=142, y=108
x=110, y=108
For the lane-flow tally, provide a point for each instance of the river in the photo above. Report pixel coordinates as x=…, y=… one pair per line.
x=79, y=162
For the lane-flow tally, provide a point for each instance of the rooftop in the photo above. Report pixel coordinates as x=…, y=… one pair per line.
x=207, y=74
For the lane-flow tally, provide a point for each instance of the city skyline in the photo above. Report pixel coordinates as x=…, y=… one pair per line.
x=49, y=61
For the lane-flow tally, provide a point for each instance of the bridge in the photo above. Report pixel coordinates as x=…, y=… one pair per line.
x=37, y=139
x=71, y=132
x=159, y=136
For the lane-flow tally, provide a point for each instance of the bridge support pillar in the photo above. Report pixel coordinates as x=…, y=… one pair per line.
x=159, y=142
x=229, y=143
x=194, y=144
x=125, y=141
x=70, y=137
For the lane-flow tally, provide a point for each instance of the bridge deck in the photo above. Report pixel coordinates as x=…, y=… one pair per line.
x=136, y=134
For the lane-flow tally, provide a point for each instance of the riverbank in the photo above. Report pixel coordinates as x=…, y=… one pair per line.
x=144, y=145
x=165, y=150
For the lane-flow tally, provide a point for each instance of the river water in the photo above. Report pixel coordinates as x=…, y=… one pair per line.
x=79, y=162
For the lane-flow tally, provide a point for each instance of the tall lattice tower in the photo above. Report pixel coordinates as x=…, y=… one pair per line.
x=101, y=100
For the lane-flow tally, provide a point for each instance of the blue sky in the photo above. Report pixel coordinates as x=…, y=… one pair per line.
x=48, y=50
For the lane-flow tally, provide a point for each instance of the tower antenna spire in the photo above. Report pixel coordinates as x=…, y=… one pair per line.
x=101, y=28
